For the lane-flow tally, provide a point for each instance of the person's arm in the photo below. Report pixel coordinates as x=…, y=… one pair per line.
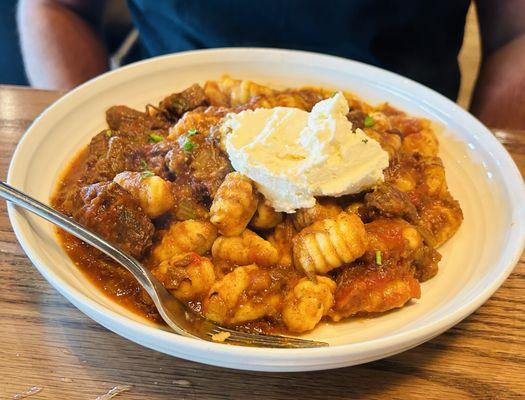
x=499, y=96
x=61, y=42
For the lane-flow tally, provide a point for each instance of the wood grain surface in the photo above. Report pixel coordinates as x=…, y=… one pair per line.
x=47, y=343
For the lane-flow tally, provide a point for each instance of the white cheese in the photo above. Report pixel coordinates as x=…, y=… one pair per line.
x=293, y=155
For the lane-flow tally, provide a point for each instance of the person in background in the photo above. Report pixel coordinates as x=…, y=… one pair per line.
x=11, y=66
x=62, y=46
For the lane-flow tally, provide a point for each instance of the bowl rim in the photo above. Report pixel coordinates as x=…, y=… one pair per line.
x=401, y=341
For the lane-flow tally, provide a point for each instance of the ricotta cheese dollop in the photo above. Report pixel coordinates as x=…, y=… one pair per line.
x=293, y=155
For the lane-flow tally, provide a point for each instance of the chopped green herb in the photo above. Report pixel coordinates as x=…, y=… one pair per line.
x=379, y=257
x=143, y=165
x=192, y=132
x=109, y=132
x=147, y=174
x=189, y=146
x=369, y=121
x=365, y=140
x=154, y=138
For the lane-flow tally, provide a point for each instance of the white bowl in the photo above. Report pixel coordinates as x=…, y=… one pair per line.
x=480, y=173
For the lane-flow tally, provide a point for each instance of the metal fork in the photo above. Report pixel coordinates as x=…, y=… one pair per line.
x=172, y=311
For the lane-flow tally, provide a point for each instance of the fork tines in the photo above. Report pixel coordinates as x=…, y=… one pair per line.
x=259, y=340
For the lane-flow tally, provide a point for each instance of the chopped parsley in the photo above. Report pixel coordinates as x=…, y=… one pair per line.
x=379, y=257
x=365, y=140
x=143, y=165
x=147, y=174
x=155, y=138
x=189, y=146
x=369, y=121
x=192, y=132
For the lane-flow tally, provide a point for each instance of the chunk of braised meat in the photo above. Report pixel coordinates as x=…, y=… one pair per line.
x=188, y=204
x=388, y=201
x=113, y=213
x=366, y=288
x=357, y=118
x=198, y=160
x=403, y=172
x=177, y=104
x=397, y=239
x=420, y=177
x=209, y=166
x=135, y=125
x=109, y=154
x=129, y=149
x=154, y=158
x=118, y=116
x=426, y=261
x=440, y=219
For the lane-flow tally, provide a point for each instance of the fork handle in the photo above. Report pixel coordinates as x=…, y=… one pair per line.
x=152, y=286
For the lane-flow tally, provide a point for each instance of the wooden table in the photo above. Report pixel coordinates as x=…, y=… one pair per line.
x=46, y=342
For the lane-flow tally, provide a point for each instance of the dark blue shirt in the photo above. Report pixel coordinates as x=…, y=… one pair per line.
x=419, y=39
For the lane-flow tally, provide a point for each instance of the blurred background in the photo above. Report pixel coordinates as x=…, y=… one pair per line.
x=120, y=39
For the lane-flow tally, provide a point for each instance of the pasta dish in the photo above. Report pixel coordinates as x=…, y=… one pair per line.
x=173, y=187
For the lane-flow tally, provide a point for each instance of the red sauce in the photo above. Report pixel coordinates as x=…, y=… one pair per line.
x=108, y=276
